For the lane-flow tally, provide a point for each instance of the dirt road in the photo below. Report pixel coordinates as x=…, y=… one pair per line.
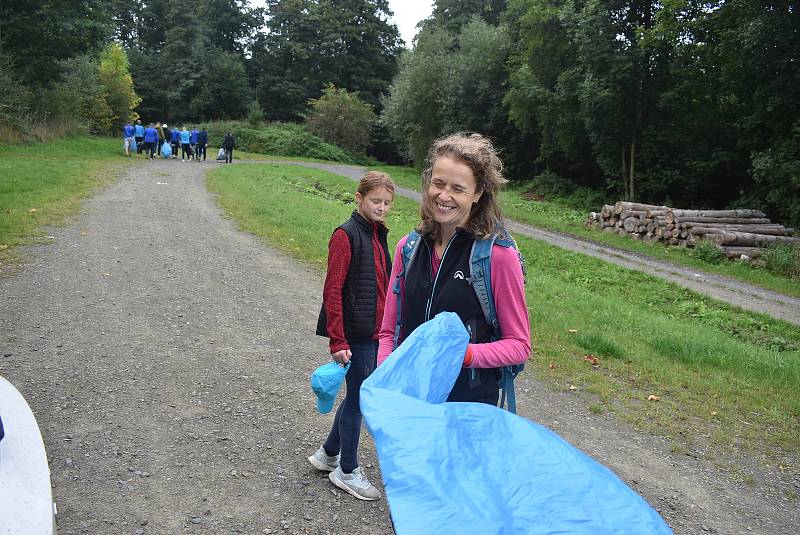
x=166, y=356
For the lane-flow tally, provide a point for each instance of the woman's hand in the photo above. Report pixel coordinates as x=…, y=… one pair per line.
x=342, y=356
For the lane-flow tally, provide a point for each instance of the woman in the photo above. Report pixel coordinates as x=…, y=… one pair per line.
x=351, y=316
x=459, y=205
x=186, y=148
x=229, y=143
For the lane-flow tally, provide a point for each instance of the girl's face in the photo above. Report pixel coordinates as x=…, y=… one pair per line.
x=375, y=204
x=452, y=192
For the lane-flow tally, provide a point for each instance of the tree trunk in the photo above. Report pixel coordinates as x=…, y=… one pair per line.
x=750, y=240
x=624, y=173
x=631, y=181
x=722, y=220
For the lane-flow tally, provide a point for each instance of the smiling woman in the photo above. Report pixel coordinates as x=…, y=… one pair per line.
x=459, y=210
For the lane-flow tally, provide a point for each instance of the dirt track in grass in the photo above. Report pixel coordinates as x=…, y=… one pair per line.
x=166, y=356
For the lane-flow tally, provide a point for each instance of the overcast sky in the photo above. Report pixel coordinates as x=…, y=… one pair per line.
x=407, y=13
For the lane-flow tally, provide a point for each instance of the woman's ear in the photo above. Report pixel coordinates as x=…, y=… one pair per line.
x=359, y=198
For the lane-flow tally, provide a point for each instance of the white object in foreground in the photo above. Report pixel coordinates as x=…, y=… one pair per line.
x=26, y=498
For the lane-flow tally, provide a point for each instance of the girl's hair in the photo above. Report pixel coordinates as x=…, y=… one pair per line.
x=480, y=156
x=374, y=180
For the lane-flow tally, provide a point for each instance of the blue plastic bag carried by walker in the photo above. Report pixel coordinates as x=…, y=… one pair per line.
x=474, y=468
x=166, y=150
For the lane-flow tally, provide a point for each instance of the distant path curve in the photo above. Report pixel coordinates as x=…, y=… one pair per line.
x=726, y=289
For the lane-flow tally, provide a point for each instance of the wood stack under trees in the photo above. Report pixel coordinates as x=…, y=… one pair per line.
x=735, y=232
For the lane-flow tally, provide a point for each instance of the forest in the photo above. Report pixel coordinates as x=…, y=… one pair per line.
x=686, y=103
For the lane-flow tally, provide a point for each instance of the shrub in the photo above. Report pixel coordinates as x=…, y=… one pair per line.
x=279, y=139
x=783, y=259
x=14, y=97
x=708, y=252
x=255, y=115
x=555, y=188
x=341, y=118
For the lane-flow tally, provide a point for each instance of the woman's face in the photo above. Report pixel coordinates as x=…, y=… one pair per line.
x=375, y=204
x=452, y=192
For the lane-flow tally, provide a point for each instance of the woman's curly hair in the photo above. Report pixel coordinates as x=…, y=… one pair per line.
x=480, y=156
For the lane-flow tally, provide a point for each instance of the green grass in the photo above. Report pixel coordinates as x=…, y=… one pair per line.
x=559, y=216
x=719, y=372
x=42, y=183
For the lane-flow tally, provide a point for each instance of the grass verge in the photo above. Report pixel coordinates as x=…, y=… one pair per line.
x=724, y=377
x=43, y=183
x=558, y=216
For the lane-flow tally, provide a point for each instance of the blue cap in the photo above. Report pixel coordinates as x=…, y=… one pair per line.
x=326, y=381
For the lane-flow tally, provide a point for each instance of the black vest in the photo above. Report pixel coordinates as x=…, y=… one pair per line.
x=424, y=297
x=359, y=293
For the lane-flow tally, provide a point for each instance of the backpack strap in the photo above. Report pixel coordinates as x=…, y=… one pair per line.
x=481, y=280
x=407, y=255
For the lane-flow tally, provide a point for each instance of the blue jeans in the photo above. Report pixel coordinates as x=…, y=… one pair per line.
x=346, y=429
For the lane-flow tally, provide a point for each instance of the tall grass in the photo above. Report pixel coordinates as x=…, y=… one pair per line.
x=652, y=337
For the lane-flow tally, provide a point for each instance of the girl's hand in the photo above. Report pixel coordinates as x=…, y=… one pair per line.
x=342, y=356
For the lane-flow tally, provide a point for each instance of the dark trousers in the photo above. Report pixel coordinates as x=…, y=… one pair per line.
x=186, y=151
x=346, y=429
x=150, y=147
x=139, y=145
x=228, y=155
x=201, y=149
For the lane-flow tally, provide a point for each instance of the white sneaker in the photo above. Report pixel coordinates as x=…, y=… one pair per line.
x=322, y=461
x=355, y=484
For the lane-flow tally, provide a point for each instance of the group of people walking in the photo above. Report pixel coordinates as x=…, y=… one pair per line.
x=361, y=313
x=158, y=139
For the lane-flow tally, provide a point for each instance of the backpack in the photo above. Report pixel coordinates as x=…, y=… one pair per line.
x=480, y=277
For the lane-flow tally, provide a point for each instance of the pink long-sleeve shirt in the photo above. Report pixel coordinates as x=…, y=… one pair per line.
x=514, y=347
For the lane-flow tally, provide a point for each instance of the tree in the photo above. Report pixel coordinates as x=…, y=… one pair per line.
x=223, y=90
x=341, y=118
x=757, y=48
x=117, y=85
x=449, y=83
x=14, y=97
x=230, y=25
x=38, y=34
x=310, y=43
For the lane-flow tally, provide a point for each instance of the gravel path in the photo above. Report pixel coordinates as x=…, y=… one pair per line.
x=166, y=356
x=719, y=287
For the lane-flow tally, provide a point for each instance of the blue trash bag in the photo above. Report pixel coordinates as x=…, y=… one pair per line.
x=166, y=150
x=132, y=146
x=474, y=468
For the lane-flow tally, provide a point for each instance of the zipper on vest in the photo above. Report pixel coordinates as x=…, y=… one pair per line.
x=438, y=272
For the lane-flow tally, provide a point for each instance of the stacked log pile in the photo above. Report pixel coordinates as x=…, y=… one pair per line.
x=735, y=232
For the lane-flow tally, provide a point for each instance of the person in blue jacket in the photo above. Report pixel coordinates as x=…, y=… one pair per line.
x=193, y=141
x=175, y=141
x=150, y=141
x=186, y=148
x=127, y=134
x=202, y=141
x=138, y=133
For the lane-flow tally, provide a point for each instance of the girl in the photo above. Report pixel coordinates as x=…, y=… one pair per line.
x=351, y=316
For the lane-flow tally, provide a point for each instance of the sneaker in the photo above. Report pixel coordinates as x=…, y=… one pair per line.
x=322, y=461
x=355, y=483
